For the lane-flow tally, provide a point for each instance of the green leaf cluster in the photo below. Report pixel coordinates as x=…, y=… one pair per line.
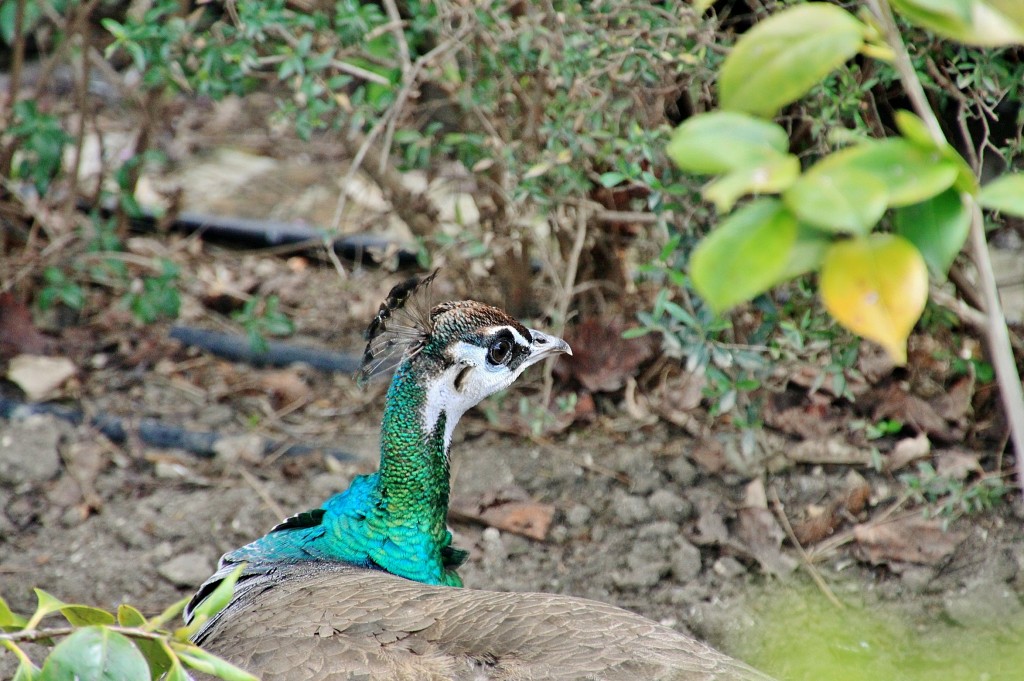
x=800, y=218
x=126, y=646
x=261, y=317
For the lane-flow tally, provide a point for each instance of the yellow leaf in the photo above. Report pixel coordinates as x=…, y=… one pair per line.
x=876, y=286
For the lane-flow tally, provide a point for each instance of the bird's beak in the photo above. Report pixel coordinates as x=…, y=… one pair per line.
x=545, y=345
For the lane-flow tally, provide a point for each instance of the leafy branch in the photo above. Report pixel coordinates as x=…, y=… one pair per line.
x=828, y=217
x=125, y=646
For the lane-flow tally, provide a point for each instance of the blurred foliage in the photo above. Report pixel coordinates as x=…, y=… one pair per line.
x=121, y=646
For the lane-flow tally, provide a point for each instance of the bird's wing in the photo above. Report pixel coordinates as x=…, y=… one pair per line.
x=326, y=621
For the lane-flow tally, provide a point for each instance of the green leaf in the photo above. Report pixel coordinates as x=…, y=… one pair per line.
x=916, y=132
x=610, y=179
x=177, y=672
x=95, y=653
x=768, y=178
x=808, y=252
x=127, y=616
x=721, y=141
x=45, y=605
x=988, y=23
x=838, y=198
x=84, y=615
x=27, y=672
x=1005, y=194
x=197, y=658
x=837, y=194
x=745, y=255
x=938, y=228
x=778, y=60
x=9, y=618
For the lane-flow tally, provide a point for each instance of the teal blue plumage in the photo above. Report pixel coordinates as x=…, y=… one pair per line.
x=393, y=519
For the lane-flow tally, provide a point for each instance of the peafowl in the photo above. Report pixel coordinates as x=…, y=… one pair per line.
x=360, y=587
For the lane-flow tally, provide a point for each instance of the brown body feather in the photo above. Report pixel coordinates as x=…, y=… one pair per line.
x=329, y=622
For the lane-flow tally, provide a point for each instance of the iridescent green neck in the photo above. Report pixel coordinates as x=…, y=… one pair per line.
x=413, y=484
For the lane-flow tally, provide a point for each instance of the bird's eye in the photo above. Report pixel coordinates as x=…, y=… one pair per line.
x=500, y=351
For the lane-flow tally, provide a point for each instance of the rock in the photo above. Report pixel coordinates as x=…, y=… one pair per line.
x=28, y=450
x=658, y=529
x=642, y=573
x=578, y=515
x=982, y=603
x=186, y=569
x=630, y=509
x=917, y=578
x=682, y=471
x=685, y=560
x=668, y=505
x=234, y=448
x=728, y=567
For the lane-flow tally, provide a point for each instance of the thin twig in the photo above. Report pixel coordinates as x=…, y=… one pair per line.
x=583, y=213
x=261, y=491
x=805, y=559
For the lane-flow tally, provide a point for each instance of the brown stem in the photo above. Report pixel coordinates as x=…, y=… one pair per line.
x=998, y=335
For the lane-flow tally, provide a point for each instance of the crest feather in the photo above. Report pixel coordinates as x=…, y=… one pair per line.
x=401, y=327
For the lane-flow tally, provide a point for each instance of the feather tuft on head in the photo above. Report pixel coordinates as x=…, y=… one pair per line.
x=401, y=327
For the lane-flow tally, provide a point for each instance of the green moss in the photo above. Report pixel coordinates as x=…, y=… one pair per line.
x=801, y=636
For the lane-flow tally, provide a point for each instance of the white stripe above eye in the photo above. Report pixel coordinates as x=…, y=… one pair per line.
x=518, y=337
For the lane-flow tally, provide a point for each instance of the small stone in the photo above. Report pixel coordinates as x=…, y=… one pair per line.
x=215, y=415
x=578, y=515
x=917, y=578
x=28, y=450
x=682, y=471
x=186, y=570
x=728, y=567
x=640, y=574
x=659, y=528
x=686, y=562
x=559, y=534
x=630, y=509
x=668, y=505
x=233, y=448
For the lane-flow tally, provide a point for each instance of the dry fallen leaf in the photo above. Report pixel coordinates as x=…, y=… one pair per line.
x=895, y=403
x=957, y=465
x=18, y=333
x=285, y=388
x=509, y=509
x=603, y=359
x=822, y=522
x=907, y=451
x=909, y=540
x=760, y=533
x=833, y=451
x=39, y=376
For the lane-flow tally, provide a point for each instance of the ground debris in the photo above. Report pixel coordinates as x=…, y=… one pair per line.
x=821, y=521
x=908, y=540
x=509, y=509
x=760, y=532
x=40, y=376
x=18, y=333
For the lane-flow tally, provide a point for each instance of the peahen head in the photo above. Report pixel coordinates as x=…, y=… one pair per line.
x=453, y=354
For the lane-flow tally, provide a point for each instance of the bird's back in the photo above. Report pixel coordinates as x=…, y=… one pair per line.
x=328, y=621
